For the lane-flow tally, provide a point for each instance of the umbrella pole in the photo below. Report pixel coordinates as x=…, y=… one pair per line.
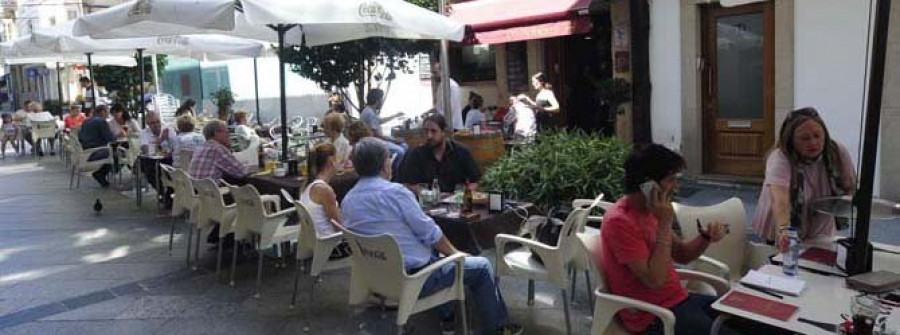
x=140, y=54
x=256, y=90
x=59, y=83
x=859, y=257
x=282, y=29
x=445, y=74
x=200, y=80
x=93, y=83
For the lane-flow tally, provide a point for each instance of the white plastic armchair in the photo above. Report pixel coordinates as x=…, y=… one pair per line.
x=555, y=260
x=184, y=159
x=43, y=130
x=185, y=201
x=377, y=269
x=266, y=229
x=81, y=164
x=213, y=211
x=582, y=262
x=168, y=178
x=316, y=251
x=250, y=155
x=607, y=305
x=734, y=254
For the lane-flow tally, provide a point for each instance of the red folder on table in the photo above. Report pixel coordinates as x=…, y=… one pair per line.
x=758, y=305
x=819, y=255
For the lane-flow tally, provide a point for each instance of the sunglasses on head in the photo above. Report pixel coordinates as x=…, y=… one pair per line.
x=808, y=112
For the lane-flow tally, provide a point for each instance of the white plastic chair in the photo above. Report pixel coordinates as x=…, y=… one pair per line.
x=252, y=221
x=582, y=262
x=170, y=179
x=43, y=130
x=212, y=211
x=607, y=305
x=378, y=270
x=186, y=201
x=81, y=164
x=734, y=254
x=250, y=155
x=184, y=159
x=555, y=259
x=315, y=250
x=166, y=105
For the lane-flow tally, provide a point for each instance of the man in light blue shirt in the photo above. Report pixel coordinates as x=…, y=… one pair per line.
x=377, y=206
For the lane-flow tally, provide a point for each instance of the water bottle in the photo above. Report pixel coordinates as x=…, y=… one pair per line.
x=435, y=192
x=791, y=258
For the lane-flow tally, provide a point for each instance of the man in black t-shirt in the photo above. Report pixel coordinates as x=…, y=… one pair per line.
x=440, y=158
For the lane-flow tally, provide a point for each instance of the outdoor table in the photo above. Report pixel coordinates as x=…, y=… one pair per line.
x=823, y=299
x=475, y=232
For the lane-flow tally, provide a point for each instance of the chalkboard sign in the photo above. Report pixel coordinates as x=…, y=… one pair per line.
x=517, y=67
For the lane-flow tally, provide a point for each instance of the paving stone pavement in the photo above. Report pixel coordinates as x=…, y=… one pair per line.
x=66, y=270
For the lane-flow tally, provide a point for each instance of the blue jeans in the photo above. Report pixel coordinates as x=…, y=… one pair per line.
x=478, y=277
x=694, y=315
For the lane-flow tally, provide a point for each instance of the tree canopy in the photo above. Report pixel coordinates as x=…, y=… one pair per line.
x=362, y=64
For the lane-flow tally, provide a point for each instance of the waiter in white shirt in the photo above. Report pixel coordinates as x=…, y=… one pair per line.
x=455, y=98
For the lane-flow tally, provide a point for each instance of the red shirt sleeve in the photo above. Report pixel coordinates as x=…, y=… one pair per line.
x=625, y=239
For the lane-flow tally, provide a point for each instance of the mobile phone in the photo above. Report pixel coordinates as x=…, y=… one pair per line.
x=649, y=189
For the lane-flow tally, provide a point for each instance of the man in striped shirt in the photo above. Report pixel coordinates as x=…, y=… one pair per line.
x=213, y=159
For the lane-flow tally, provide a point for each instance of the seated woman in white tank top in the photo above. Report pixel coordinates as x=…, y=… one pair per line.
x=319, y=198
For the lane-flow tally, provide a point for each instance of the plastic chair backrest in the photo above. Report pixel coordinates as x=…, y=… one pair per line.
x=43, y=129
x=377, y=263
x=211, y=203
x=166, y=105
x=568, y=240
x=184, y=159
x=308, y=237
x=250, y=212
x=732, y=249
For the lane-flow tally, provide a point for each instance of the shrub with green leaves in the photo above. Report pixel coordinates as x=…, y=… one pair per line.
x=561, y=166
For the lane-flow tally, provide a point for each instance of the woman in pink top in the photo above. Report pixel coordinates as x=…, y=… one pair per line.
x=804, y=149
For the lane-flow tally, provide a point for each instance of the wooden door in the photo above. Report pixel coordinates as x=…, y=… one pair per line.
x=738, y=88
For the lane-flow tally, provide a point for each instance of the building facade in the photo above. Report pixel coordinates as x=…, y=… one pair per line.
x=724, y=78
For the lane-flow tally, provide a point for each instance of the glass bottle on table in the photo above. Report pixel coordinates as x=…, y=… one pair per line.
x=467, y=198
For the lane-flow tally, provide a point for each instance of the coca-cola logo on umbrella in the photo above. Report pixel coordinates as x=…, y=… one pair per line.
x=375, y=10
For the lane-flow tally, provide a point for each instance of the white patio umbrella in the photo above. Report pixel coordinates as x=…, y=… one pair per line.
x=320, y=22
x=61, y=39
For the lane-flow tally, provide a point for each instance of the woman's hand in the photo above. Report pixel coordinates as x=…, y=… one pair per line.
x=715, y=230
x=661, y=208
x=783, y=243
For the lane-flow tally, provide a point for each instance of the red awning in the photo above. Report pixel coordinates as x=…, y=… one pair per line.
x=500, y=21
x=580, y=25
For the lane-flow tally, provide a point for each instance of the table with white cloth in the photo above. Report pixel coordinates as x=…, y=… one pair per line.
x=824, y=298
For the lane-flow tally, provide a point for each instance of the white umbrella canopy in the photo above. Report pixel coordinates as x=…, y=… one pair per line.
x=60, y=38
x=23, y=51
x=331, y=21
x=321, y=21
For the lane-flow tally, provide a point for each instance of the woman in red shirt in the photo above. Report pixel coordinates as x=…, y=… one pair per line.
x=74, y=118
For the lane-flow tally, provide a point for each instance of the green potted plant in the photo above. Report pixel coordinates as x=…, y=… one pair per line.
x=559, y=167
x=223, y=98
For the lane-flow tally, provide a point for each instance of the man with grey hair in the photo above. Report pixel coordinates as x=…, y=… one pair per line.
x=377, y=206
x=157, y=141
x=213, y=159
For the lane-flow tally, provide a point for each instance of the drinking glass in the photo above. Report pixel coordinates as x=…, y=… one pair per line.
x=424, y=195
x=865, y=311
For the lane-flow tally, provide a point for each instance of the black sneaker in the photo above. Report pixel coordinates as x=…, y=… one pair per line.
x=511, y=329
x=448, y=327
